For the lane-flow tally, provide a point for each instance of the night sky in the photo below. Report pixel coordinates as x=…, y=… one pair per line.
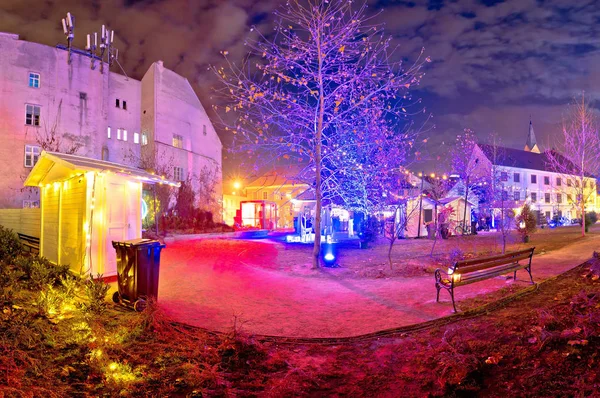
x=494, y=63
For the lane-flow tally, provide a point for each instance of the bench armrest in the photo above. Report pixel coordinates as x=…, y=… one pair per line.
x=438, y=274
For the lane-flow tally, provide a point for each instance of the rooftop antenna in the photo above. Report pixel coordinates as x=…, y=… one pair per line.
x=101, y=46
x=68, y=25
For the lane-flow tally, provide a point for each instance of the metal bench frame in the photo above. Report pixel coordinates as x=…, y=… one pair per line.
x=470, y=271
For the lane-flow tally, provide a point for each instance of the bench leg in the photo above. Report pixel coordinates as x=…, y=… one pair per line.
x=452, y=295
x=515, y=276
x=530, y=277
x=437, y=298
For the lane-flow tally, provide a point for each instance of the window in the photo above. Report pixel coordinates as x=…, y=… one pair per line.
x=517, y=195
x=177, y=141
x=569, y=182
x=577, y=183
x=504, y=176
x=558, y=181
x=32, y=115
x=504, y=195
x=204, y=129
x=117, y=103
x=144, y=138
x=124, y=104
x=119, y=134
x=559, y=198
x=428, y=215
x=31, y=204
x=533, y=179
x=32, y=154
x=124, y=135
x=178, y=173
x=517, y=177
x=136, y=138
x=546, y=180
x=34, y=80
x=265, y=195
x=547, y=197
x=569, y=198
x=108, y=132
x=82, y=96
x=533, y=197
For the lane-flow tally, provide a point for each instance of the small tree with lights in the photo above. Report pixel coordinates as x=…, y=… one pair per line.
x=580, y=156
x=526, y=223
x=325, y=90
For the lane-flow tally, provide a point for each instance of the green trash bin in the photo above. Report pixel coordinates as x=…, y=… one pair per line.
x=138, y=266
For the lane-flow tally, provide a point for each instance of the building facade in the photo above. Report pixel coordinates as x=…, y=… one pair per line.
x=526, y=176
x=49, y=103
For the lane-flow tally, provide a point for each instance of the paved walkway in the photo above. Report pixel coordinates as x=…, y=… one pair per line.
x=211, y=290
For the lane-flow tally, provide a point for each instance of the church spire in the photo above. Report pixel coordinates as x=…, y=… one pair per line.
x=531, y=144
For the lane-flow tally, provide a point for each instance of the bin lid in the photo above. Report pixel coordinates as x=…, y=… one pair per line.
x=136, y=242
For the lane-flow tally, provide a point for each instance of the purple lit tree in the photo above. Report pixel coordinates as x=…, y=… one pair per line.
x=323, y=90
x=580, y=157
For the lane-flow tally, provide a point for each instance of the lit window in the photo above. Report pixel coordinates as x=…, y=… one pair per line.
x=124, y=104
x=144, y=138
x=117, y=103
x=177, y=141
x=108, y=132
x=124, y=135
x=265, y=195
x=178, y=173
x=32, y=154
x=136, y=138
x=569, y=198
x=31, y=204
x=119, y=134
x=34, y=80
x=32, y=115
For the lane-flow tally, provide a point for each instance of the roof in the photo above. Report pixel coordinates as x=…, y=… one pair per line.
x=510, y=157
x=54, y=166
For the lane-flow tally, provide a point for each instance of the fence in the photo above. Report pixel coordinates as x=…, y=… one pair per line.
x=25, y=221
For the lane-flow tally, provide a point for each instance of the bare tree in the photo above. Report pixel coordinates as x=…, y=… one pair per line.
x=325, y=85
x=579, y=158
x=50, y=139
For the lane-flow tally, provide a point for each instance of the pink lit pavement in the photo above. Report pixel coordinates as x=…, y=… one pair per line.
x=209, y=288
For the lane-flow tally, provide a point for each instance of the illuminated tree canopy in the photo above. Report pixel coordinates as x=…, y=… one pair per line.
x=325, y=90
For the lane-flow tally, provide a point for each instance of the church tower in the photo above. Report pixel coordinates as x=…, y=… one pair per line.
x=531, y=144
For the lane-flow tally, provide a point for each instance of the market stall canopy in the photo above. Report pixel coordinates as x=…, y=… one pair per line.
x=54, y=166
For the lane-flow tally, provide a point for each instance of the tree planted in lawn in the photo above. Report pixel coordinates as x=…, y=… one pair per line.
x=580, y=154
x=324, y=90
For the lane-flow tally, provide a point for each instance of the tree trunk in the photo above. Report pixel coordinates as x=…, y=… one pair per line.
x=582, y=213
x=318, y=160
x=465, y=211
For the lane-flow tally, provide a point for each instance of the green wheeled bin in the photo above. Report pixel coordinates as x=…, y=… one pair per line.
x=138, y=266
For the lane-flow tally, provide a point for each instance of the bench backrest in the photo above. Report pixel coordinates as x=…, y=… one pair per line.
x=466, y=266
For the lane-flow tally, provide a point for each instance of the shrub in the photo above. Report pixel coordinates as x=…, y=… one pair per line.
x=95, y=290
x=590, y=219
x=10, y=245
x=39, y=271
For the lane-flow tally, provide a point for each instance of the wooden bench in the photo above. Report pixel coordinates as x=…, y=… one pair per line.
x=469, y=271
x=30, y=242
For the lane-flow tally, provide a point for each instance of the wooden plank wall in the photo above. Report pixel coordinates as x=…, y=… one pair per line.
x=25, y=221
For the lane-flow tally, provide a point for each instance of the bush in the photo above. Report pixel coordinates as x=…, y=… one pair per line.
x=590, y=219
x=95, y=290
x=10, y=245
x=39, y=271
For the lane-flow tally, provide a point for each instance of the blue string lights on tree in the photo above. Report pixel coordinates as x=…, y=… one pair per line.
x=325, y=90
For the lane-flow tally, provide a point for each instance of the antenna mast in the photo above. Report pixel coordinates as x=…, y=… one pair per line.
x=68, y=25
x=107, y=37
